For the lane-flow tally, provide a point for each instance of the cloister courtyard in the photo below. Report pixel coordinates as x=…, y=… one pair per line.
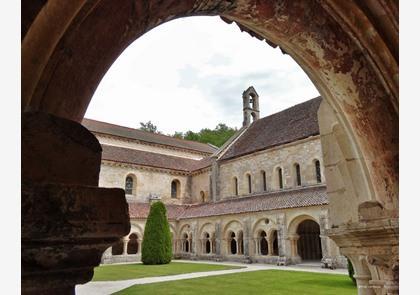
x=199, y=277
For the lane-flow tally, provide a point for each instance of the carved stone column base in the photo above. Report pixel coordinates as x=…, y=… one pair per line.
x=372, y=247
x=65, y=230
x=284, y=260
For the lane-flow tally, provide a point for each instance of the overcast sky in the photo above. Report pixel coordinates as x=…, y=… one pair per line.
x=190, y=73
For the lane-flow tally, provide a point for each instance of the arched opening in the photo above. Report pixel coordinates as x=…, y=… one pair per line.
x=364, y=73
x=206, y=243
x=248, y=177
x=280, y=177
x=175, y=188
x=318, y=171
x=132, y=245
x=235, y=186
x=298, y=180
x=129, y=185
x=202, y=197
x=274, y=243
x=309, y=243
x=118, y=248
x=208, y=246
x=233, y=244
x=263, y=243
x=185, y=243
x=263, y=181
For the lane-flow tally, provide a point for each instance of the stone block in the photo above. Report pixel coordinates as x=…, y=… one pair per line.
x=58, y=150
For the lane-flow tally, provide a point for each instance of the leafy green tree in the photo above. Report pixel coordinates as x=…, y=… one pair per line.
x=217, y=136
x=157, y=244
x=148, y=127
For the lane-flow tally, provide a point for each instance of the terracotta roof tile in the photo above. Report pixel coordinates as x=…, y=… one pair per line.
x=303, y=197
x=121, y=131
x=141, y=210
x=132, y=156
x=297, y=122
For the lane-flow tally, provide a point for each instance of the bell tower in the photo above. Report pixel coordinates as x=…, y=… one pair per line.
x=251, y=106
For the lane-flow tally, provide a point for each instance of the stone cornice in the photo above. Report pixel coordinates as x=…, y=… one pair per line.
x=155, y=169
x=144, y=168
x=164, y=146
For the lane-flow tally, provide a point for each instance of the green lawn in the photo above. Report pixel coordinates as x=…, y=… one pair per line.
x=266, y=282
x=138, y=270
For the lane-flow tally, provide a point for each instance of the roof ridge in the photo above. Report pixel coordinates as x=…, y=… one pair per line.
x=160, y=154
x=151, y=133
x=288, y=109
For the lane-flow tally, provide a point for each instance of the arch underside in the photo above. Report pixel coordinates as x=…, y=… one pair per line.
x=348, y=50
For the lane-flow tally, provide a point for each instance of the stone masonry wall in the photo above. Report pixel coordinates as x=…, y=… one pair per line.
x=145, y=182
x=200, y=182
x=303, y=152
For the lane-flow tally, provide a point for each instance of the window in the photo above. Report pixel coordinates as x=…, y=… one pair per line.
x=202, y=196
x=129, y=184
x=235, y=185
x=318, y=171
x=249, y=183
x=298, y=179
x=264, y=181
x=280, y=171
x=175, y=188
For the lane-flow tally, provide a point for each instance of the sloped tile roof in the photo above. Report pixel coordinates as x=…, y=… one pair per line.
x=121, y=131
x=132, y=156
x=302, y=197
x=141, y=210
x=297, y=122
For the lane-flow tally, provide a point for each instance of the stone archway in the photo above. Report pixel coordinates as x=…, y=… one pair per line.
x=133, y=244
x=67, y=47
x=309, y=242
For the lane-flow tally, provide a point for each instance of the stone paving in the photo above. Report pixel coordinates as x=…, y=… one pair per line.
x=109, y=287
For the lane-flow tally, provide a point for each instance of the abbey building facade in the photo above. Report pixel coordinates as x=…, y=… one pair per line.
x=261, y=197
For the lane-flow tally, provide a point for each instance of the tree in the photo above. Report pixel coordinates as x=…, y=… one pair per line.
x=217, y=136
x=148, y=127
x=157, y=244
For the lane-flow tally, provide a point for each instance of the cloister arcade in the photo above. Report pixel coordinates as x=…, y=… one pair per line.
x=301, y=242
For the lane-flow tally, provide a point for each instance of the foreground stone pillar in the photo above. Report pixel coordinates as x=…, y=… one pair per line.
x=67, y=221
x=372, y=246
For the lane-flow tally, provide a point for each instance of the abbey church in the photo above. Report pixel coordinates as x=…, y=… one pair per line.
x=260, y=198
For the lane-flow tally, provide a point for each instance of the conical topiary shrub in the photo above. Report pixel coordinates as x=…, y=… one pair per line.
x=157, y=244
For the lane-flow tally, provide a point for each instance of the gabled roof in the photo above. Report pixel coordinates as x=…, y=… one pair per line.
x=121, y=131
x=297, y=122
x=137, y=157
x=302, y=197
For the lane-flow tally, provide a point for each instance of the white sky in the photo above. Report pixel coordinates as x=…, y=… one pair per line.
x=190, y=73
